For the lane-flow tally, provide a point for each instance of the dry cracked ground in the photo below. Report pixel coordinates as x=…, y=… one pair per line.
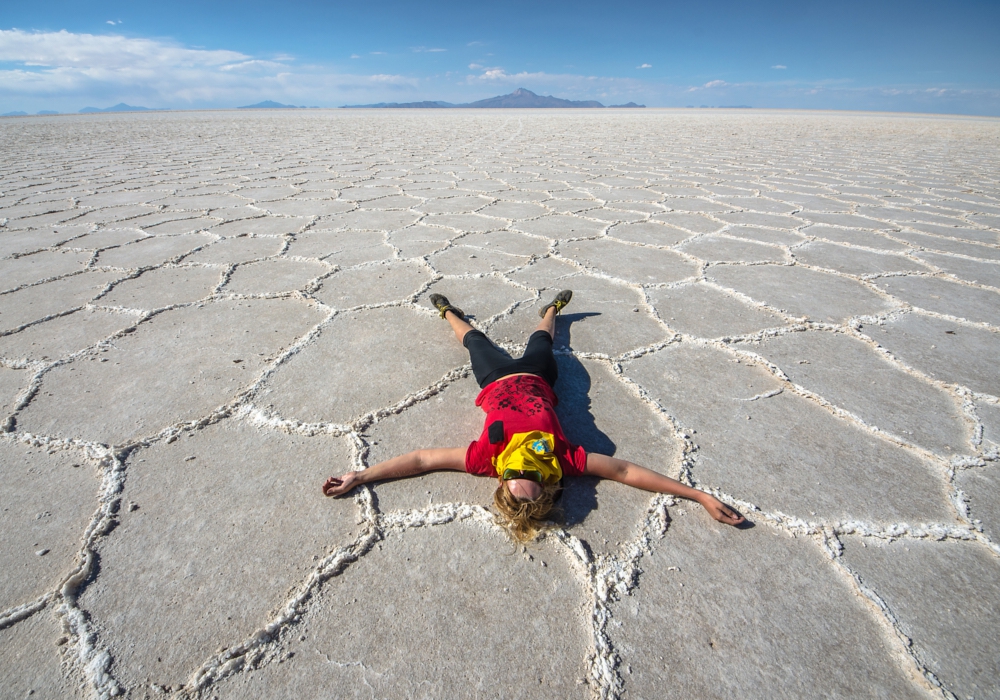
x=204, y=315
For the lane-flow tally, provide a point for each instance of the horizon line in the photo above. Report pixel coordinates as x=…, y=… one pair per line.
x=157, y=110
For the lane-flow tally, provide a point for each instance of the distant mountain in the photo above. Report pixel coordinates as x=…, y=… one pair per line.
x=120, y=107
x=25, y=114
x=271, y=104
x=628, y=105
x=404, y=105
x=520, y=98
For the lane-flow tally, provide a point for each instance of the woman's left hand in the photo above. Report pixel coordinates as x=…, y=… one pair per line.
x=720, y=511
x=339, y=485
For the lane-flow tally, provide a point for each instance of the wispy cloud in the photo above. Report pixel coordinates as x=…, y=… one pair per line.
x=93, y=53
x=424, y=49
x=377, y=53
x=387, y=79
x=354, y=55
x=500, y=75
x=779, y=67
x=112, y=22
x=93, y=68
x=644, y=65
x=252, y=65
x=474, y=66
x=709, y=85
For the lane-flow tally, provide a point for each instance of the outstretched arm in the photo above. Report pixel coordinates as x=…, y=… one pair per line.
x=648, y=480
x=412, y=464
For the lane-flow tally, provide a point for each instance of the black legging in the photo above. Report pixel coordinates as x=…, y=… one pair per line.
x=490, y=363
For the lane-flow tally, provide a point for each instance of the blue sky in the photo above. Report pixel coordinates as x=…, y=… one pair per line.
x=897, y=56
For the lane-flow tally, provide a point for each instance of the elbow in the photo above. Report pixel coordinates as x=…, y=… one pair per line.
x=422, y=461
x=620, y=470
x=623, y=474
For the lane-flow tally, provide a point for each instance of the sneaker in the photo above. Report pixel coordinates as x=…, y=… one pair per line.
x=562, y=298
x=442, y=304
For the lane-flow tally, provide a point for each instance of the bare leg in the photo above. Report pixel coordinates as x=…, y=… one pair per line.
x=548, y=322
x=458, y=325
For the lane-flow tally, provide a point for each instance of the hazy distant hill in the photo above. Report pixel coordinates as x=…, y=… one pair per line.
x=271, y=104
x=404, y=105
x=25, y=114
x=520, y=98
x=627, y=105
x=120, y=107
x=527, y=99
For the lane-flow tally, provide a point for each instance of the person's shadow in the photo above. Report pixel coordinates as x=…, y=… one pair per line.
x=579, y=495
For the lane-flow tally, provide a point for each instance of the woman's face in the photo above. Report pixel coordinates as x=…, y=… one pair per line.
x=524, y=489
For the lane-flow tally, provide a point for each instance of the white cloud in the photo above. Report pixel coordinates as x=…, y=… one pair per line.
x=112, y=22
x=645, y=65
x=392, y=79
x=377, y=53
x=496, y=74
x=93, y=52
x=354, y=55
x=709, y=85
x=252, y=64
x=499, y=75
x=72, y=70
x=779, y=67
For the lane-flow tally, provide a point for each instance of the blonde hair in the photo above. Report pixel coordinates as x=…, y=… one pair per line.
x=524, y=519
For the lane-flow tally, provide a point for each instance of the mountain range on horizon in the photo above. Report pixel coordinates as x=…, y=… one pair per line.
x=519, y=99
x=43, y=113
x=271, y=104
x=120, y=107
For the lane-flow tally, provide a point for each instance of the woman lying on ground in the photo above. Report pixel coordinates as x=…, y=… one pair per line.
x=522, y=444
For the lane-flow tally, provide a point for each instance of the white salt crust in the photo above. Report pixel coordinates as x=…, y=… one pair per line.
x=544, y=161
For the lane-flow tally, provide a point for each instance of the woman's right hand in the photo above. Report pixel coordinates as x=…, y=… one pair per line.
x=339, y=485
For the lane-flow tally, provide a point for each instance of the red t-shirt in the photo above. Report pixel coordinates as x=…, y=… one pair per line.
x=521, y=404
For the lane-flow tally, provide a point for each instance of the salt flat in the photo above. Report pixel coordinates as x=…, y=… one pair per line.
x=204, y=315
